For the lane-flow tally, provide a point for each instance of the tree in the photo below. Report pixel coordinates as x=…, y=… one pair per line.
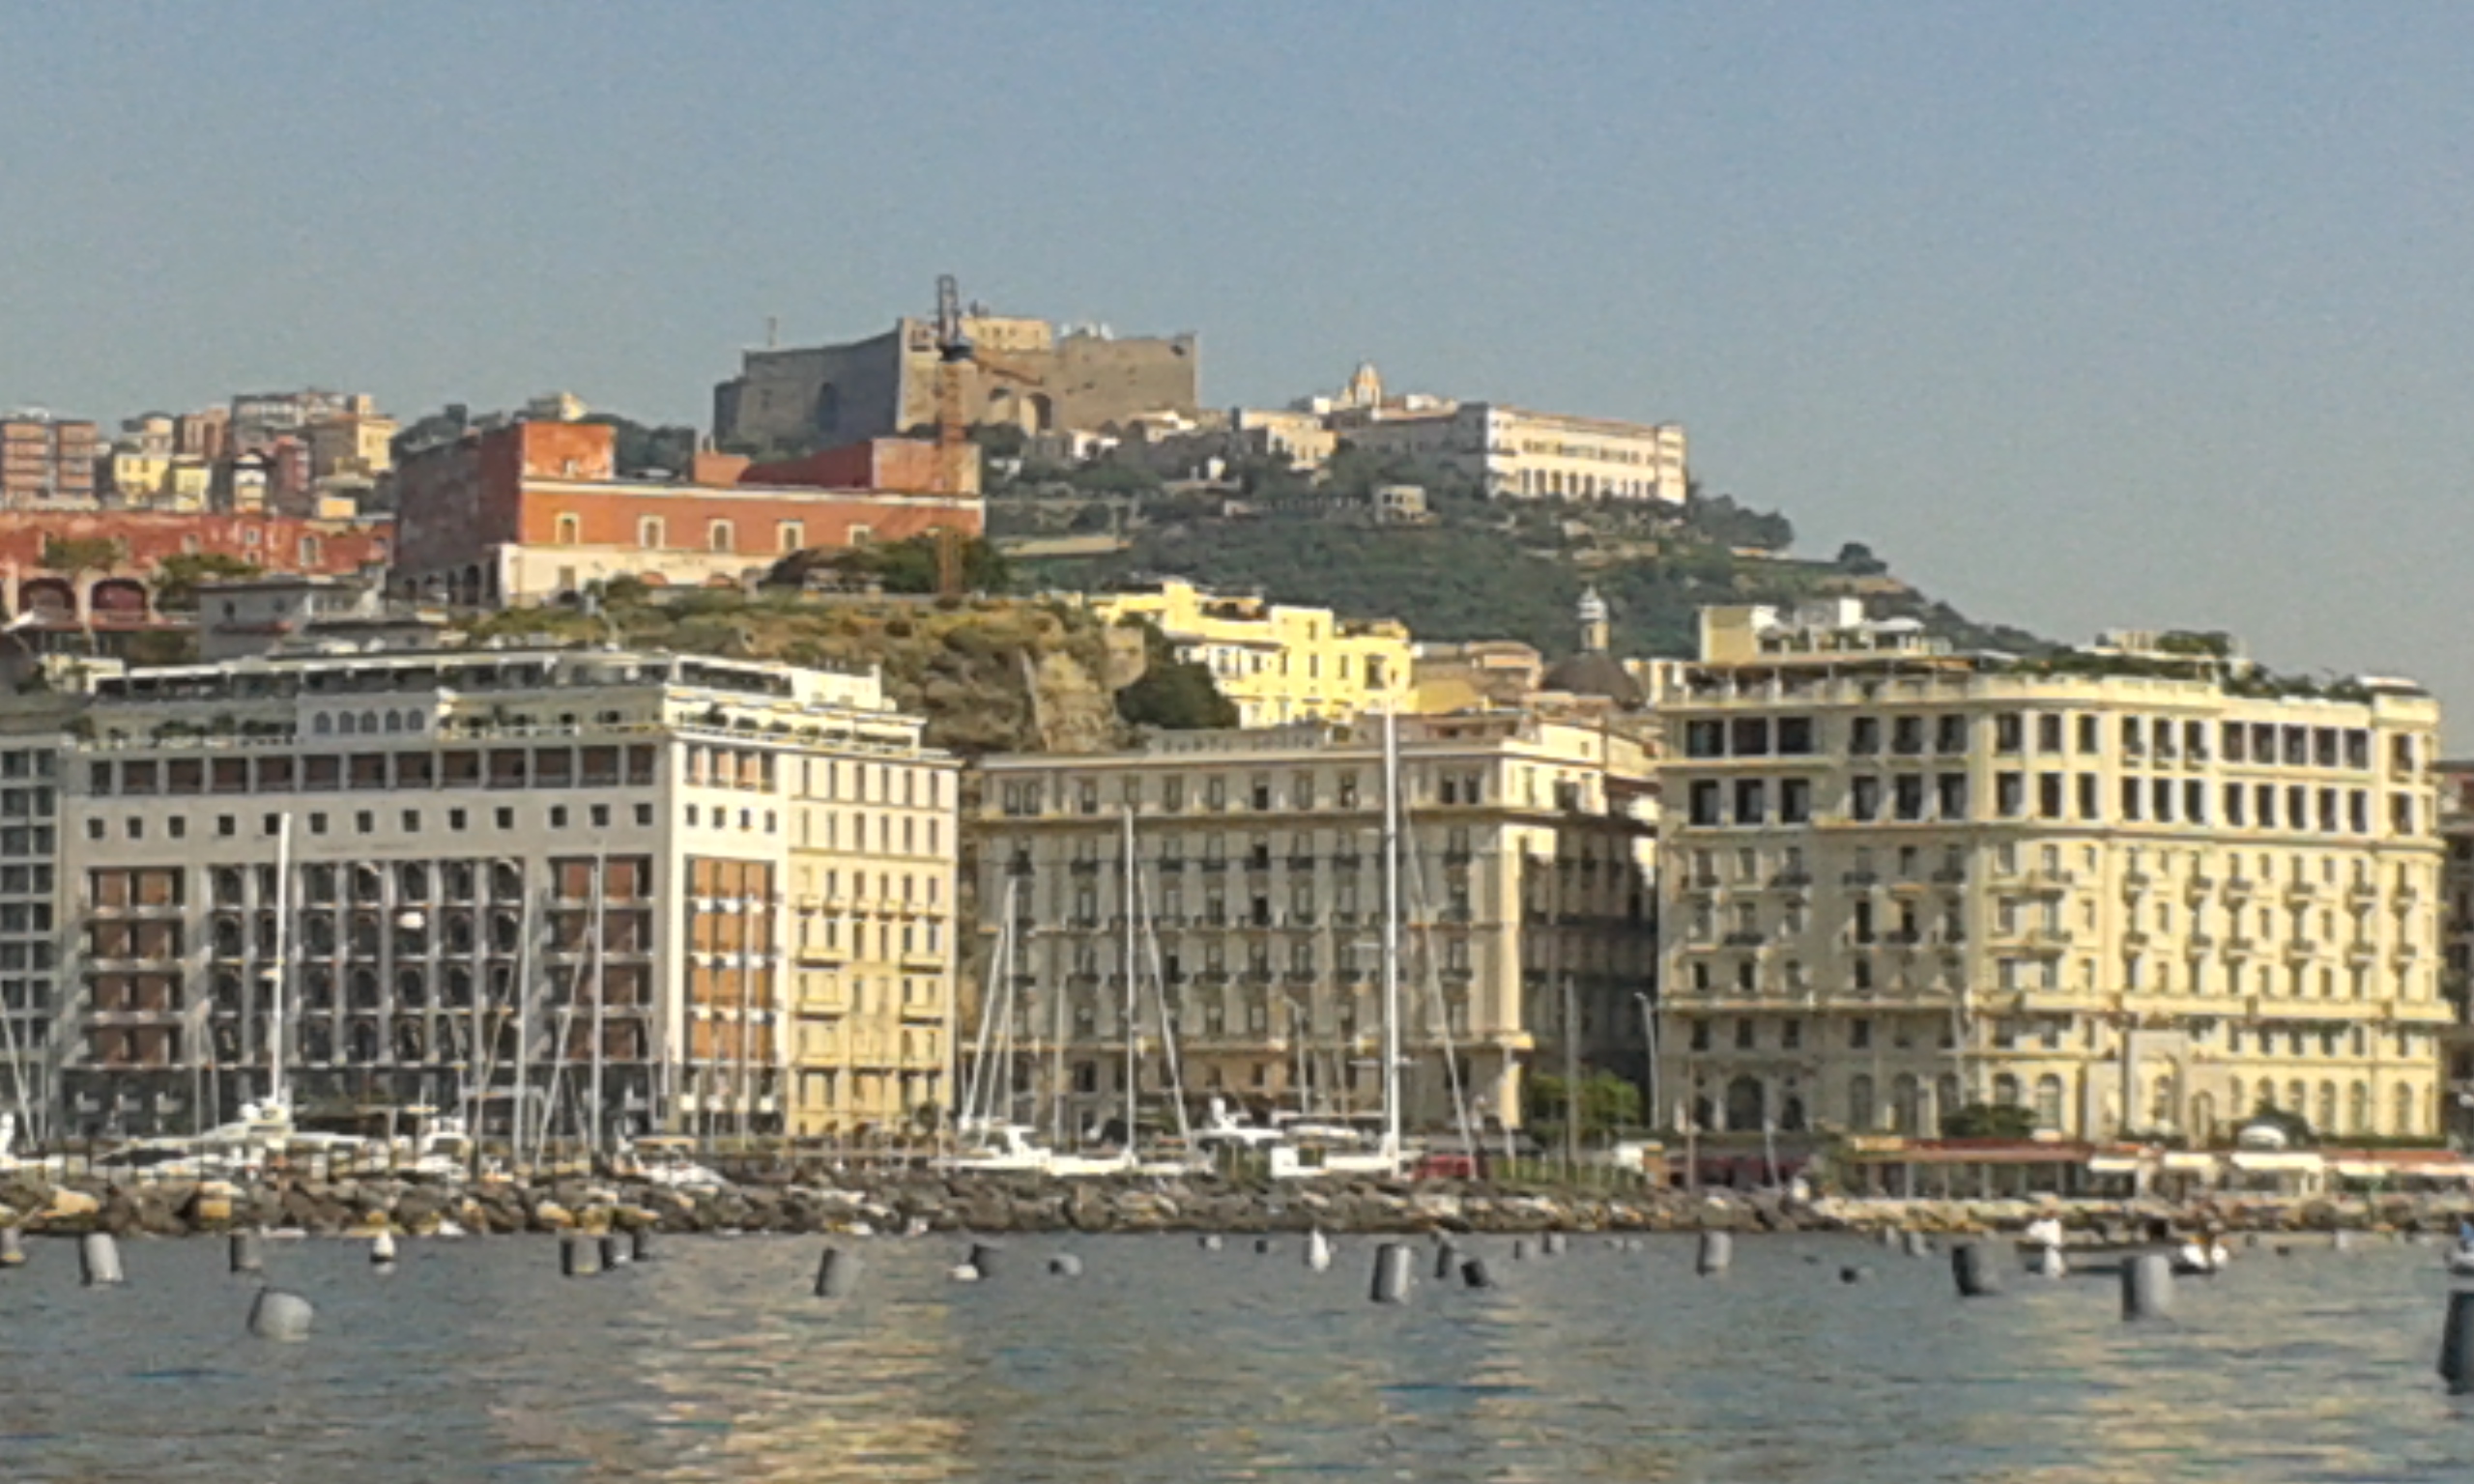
x=1173, y=695
x=177, y=576
x=906, y=566
x=73, y=556
x=1989, y=1121
x=1608, y=1103
x=1857, y=560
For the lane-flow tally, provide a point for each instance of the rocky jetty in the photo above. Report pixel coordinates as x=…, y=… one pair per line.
x=899, y=1201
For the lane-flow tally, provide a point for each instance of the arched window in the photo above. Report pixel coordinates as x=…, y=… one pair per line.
x=2202, y=1117
x=1907, y=1104
x=2005, y=1091
x=719, y=537
x=651, y=535
x=570, y=531
x=2401, y=1114
x=321, y=723
x=2326, y=1122
x=2358, y=1108
x=1862, y=1115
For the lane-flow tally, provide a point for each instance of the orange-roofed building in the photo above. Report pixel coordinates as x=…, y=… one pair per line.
x=529, y=512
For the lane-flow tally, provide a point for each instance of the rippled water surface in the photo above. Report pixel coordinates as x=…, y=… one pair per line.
x=474, y=1360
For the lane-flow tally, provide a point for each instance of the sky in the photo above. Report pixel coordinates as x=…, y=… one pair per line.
x=2102, y=315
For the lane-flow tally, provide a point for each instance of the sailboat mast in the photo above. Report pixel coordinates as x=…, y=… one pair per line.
x=1392, y=933
x=275, y=1093
x=1133, y=1044
x=600, y=990
x=522, y=1033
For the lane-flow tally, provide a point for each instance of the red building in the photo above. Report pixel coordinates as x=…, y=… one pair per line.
x=122, y=594
x=525, y=513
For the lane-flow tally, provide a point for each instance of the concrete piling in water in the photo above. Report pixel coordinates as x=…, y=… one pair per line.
x=2344, y=1242
x=276, y=1315
x=1854, y=1275
x=1889, y=1237
x=1264, y=1246
x=2148, y=1286
x=248, y=1252
x=2457, y=1343
x=1974, y=1270
x=1915, y=1245
x=382, y=1250
x=983, y=1258
x=615, y=1252
x=578, y=1258
x=1717, y=1250
x=837, y=1274
x=1551, y=1244
x=1209, y=1244
x=640, y=1244
x=1447, y=1262
x=2050, y=1263
x=1474, y=1274
x=1318, y=1250
x=1391, y=1273
x=1065, y=1265
x=1519, y=1249
x=13, y=1247
x=98, y=1260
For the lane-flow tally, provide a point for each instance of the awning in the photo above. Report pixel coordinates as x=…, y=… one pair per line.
x=2253, y=1162
x=2190, y=1163
x=2113, y=1164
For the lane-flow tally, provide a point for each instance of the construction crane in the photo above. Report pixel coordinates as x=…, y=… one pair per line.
x=956, y=355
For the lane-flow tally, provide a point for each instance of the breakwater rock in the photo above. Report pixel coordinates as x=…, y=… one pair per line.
x=896, y=1202
x=889, y=1203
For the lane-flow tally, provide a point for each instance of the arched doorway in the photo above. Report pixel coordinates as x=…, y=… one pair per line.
x=1747, y=1105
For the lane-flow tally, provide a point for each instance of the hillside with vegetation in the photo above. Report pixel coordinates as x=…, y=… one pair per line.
x=990, y=674
x=1476, y=569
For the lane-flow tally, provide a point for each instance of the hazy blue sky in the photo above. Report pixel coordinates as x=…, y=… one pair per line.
x=2085, y=315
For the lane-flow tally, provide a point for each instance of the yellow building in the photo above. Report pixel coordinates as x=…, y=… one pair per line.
x=1279, y=664
x=2139, y=889
x=138, y=477
x=1258, y=868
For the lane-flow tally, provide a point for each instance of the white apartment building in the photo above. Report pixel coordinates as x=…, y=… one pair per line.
x=2142, y=888
x=1512, y=452
x=624, y=891
x=1258, y=892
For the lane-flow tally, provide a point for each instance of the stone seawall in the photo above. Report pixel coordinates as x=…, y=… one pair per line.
x=986, y=1204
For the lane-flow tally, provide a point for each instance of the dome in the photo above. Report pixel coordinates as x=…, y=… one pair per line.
x=1594, y=673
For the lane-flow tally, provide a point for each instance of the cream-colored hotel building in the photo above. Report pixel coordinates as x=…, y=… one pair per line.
x=2139, y=889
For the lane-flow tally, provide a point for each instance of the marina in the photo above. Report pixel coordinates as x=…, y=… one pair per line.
x=1171, y=1362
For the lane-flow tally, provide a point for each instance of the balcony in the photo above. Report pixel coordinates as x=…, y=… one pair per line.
x=2301, y=893
x=2135, y=882
x=2241, y=947
x=1863, y=879
x=2362, y=955
x=2301, y=949
x=2198, y=886
x=1744, y=939
x=1792, y=880
x=2241, y=887
x=2363, y=894
x=2051, y=882
x=2198, y=943
x=2048, y=940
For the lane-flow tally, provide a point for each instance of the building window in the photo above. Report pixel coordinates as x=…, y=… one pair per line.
x=862, y=535
x=719, y=537
x=650, y=534
x=570, y=531
x=790, y=536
